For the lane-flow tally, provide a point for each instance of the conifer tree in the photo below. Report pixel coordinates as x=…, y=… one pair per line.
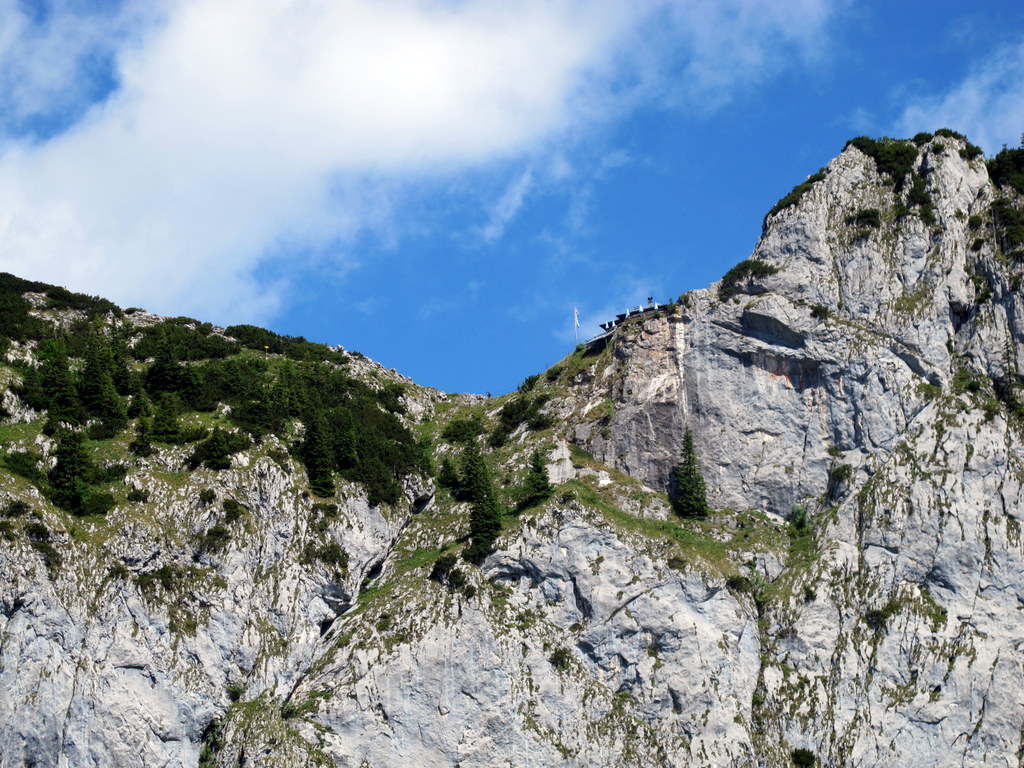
x=537, y=487
x=70, y=477
x=165, y=427
x=690, y=498
x=96, y=388
x=448, y=476
x=316, y=455
x=165, y=374
x=485, y=512
x=57, y=384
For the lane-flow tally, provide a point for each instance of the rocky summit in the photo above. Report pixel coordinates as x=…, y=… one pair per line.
x=226, y=547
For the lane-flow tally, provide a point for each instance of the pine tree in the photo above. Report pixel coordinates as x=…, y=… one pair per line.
x=448, y=476
x=165, y=427
x=97, y=390
x=165, y=374
x=690, y=498
x=485, y=512
x=537, y=487
x=316, y=455
x=58, y=385
x=70, y=477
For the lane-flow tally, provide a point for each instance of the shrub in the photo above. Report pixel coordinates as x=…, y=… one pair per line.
x=922, y=138
x=463, y=430
x=800, y=519
x=975, y=222
x=16, y=508
x=330, y=554
x=920, y=198
x=234, y=510
x=138, y=494
x=820, y=312
x=803, y=758
x=98, y=503
x=1006, y=169
x=794, y=196
x=216, y=450
x=560, y=658
x=527, y=384
x=893, y=158
x=878, y=618
x=235, y=691
x=105, y=429
x=442, y=567
x=214, y=539
x=737, y=279
x=207, y=495
x=868, y=218
x=25, y=464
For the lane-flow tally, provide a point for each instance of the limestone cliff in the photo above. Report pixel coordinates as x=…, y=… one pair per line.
x=854, y=600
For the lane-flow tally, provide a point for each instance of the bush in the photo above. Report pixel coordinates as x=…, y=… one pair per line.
x=1006, y=169
x=794, y=196
x=330, y=554
x=893, y=158
x=463, y=430
x=216, y=450
x=442, y=567
x=920, y=198
x=803, y=758
x=207, y=496
x=138, y=494
x=527, y=384
x=868, y=218
x=214, y=539
x=737, y=279
x=234, y=510
x=98, y=503
x=105, y=429
x=561, y=658
x=16, y=508
x=25, y=464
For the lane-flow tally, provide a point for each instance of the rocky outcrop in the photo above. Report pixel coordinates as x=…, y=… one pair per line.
x=852, y=392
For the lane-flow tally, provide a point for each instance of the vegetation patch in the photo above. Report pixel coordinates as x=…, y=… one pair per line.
x=738, y=279
x=893, y=158
x=794, y=196
x=867, y=218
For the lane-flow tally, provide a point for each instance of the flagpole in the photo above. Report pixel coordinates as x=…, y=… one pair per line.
x=576, y=323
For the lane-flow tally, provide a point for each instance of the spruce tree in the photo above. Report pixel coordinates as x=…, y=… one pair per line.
x=96, y=388
x=165, y=426
x=448, y=476
x=690, y=498
x=58, y=385
x=537, y=487
x=485, y=512
x=316, y=455
x=71, y=476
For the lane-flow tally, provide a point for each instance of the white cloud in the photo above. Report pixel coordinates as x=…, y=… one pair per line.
x=987, y=106
x=507, y=207
x=245, y=129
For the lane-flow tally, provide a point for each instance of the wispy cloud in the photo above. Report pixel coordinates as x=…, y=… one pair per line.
x=987, y=105
x=507, y=207
x=233, y=131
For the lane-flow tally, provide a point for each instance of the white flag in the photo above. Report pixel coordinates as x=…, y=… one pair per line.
x=576, y=316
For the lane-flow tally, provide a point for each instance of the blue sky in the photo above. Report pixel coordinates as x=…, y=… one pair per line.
x=436, y=184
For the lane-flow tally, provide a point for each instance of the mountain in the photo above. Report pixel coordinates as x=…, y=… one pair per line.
x=226, y=547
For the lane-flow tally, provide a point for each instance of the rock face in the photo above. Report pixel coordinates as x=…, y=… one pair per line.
x=852, y=392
